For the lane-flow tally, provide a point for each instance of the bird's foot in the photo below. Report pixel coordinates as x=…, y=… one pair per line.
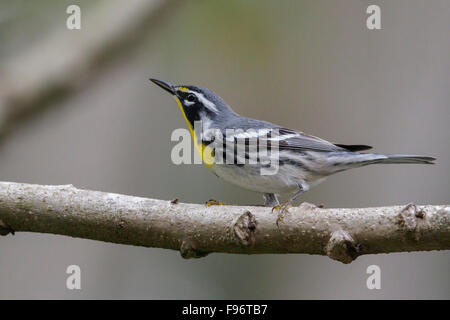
x=282, y=209
x=212, y=202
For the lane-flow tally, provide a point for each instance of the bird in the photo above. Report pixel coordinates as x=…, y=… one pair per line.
x=302, y=160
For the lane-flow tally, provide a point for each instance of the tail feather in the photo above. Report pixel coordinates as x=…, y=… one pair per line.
x=341, y=161
x=354, y=147
x=403, y=158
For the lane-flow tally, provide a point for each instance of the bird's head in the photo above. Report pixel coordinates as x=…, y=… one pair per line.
x=196, y=103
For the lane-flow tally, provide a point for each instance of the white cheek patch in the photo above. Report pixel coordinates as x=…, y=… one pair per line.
x=188, y=103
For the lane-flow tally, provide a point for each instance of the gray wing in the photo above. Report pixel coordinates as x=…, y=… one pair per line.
x=289, y=139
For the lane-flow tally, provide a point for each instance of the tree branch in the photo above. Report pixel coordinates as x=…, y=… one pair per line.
x=196, y=230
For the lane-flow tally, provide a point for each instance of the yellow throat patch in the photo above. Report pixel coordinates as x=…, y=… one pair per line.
x=206, y=153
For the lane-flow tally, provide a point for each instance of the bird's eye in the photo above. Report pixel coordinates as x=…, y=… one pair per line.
x=192, y=98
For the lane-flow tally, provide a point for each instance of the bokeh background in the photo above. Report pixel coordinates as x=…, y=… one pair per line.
x=69, y=116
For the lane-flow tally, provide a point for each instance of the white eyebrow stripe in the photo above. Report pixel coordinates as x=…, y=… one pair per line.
x=211, y=106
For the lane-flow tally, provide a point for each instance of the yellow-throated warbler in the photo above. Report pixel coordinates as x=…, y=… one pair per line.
x=302, y=160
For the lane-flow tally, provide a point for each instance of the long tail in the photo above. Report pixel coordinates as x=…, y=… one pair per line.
x=341, y=161
x=400, y=158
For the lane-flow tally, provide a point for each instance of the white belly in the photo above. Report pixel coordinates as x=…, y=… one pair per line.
x=286, y=180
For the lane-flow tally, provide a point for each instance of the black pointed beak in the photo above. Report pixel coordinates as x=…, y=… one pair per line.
x=165, y=85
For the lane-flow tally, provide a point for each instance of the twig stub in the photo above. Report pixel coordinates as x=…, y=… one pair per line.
x=245, y=228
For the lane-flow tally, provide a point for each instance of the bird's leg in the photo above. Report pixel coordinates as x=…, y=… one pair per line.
x=212, y=202
x=283, y=208
x=270, y=200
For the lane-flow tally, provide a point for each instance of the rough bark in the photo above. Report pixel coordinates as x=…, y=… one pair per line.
x=196, y=230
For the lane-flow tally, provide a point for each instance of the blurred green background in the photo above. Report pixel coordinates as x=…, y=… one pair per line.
x=307, y=65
